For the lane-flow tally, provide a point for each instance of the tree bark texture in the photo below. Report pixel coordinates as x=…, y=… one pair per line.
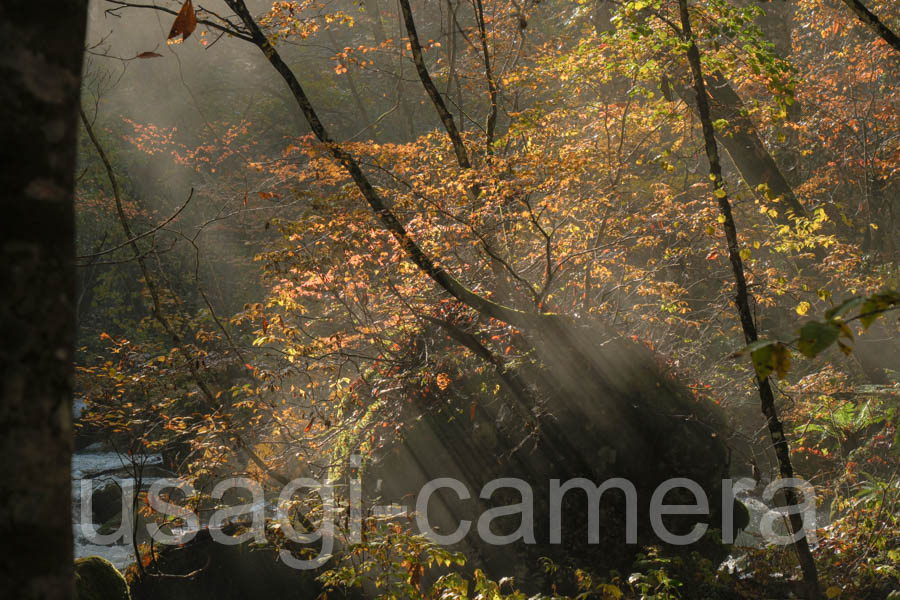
x=40, y=66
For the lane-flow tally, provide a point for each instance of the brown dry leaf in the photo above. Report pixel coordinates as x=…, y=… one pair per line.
x=185, y=23
x=148, y=55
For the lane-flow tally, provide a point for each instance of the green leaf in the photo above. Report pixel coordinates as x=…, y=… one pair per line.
x=843, y=307
x=877, y=304
x=781, y=356
x=869, y=313
x=816, y=336
x=757, y=345
x=769, y=356
x=763, y=360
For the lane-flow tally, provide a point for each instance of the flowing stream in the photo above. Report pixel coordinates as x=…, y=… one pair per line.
x=101, y=465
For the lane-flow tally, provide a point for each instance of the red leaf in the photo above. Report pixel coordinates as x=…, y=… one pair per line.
x=185, y=23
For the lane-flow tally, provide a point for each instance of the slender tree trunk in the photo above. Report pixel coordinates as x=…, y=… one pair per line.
x=492, y=85
x=744, y=145
x=349, y=79
x=740, y=137
x=40, y=66
x=373, y=12
x=444, y=279
x=433, y=93
x=742, y=301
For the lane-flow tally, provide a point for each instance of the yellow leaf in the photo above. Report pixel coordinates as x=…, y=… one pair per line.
x=782, y=358
x=611, y=591
x=443, y=380
x=719, y=193
x=721, y=219
x=745, y=254
x=710, y=230
x=802, y=308
x=834, y=591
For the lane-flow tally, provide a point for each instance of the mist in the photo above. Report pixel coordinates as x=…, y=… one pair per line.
x=490, y=241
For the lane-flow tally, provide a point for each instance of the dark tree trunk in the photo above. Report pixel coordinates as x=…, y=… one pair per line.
x=40, y=67
x=739, y=137
x=743, y=299
x=874, y=23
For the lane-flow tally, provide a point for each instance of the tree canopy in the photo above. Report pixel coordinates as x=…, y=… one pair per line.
x=312, y=230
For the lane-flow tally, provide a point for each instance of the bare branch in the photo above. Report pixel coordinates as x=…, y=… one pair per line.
x=230, y=28
x=141, y=236
x=436, y=99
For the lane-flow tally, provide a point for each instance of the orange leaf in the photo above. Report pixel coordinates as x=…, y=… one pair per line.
x=185, y=23
x=443, y=380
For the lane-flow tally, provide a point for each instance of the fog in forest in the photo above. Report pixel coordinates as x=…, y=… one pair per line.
x=500, y=245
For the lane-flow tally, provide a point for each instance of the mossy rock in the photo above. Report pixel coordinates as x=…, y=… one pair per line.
x=204, y=569
x=97, y=579
x=581, y=406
